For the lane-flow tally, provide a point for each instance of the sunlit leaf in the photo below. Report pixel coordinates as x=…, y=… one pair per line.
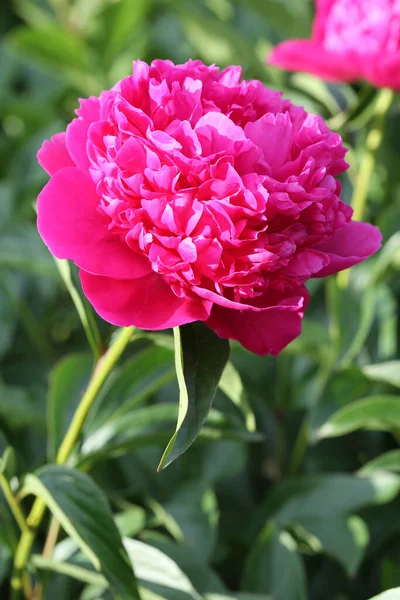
x=377, y=412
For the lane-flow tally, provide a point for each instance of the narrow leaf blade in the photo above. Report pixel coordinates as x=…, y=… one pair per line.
x=201, y=357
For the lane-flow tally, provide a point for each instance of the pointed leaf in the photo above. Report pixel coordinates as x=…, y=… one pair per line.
x=156, y=568
x=386, y=372
x=200, y=359
x=83, y=511
x=389, y=461
x=377, y=412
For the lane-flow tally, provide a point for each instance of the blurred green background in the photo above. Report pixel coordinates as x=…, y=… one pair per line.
x=281, y=513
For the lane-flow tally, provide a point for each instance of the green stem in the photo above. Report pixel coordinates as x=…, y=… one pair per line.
x=84, y=311
x=12, y=502
x=367, y=166
x=101, y=373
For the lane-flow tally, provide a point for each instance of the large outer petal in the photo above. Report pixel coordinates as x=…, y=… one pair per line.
x=384, y=70
x=266, y=331
x=311, y=57
x=53, y=155
x=148, y=303
x=324, y=8
x=72, y=227
x=77, y=131
x=349, y=246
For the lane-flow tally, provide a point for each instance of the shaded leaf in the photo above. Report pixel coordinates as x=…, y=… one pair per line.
x=68, y=381
x=274, y=567
x=53, y=46
x=200, y=358
x=82, y=510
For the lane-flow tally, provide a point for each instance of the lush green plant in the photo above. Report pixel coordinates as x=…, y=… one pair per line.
x=291, y=490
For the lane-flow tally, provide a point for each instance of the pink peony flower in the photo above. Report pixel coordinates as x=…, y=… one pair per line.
x=352, y=39
x=186, y=194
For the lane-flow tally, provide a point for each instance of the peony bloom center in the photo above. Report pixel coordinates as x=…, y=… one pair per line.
x=231, y=195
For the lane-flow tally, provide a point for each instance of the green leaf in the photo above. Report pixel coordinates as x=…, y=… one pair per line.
x=321, y=495
x=377, y=413
x=131, y=521
x=316, y=88
x=313, y=341
x=122, y=18
x=130, y=385
x=5, y=561
x=83, y=511
x=190, y=561
x=8, y=321
x=194, y=508
x=8, y=463
x=389, y=595
x=387, y=257
x=82, y=307
x=367, y=316
x=237, y=596
x=22, y=249
x=53, y=46
x=274, y=567
x=389, y=461
x=200, y=359
x=17, y=408
x=68, y=381
x=345, y=538
x=152, y=425
x=386, y=372
x=321, y=505
x=66, y=568
x=154, y=567
x=232, y=386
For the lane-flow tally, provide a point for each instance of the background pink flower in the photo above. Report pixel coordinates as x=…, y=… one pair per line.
x=351, y=40
x=185, y=194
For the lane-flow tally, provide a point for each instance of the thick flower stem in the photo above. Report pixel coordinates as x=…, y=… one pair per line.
x=100, y=374
x=367, y=166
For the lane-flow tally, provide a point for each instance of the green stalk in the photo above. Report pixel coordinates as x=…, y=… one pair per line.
x=12, y=502
x=101, y=373
x=367, y=166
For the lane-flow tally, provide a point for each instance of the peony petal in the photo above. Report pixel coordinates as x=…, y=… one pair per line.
x=349, y=246
x=384, y=70
x=53, y=155
x=72, y=227
x=267, y=331
x=76, y=139
x=324, y=8
x=148, y=303
x=274, y=135
x=311, y=57
x=306, y=262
